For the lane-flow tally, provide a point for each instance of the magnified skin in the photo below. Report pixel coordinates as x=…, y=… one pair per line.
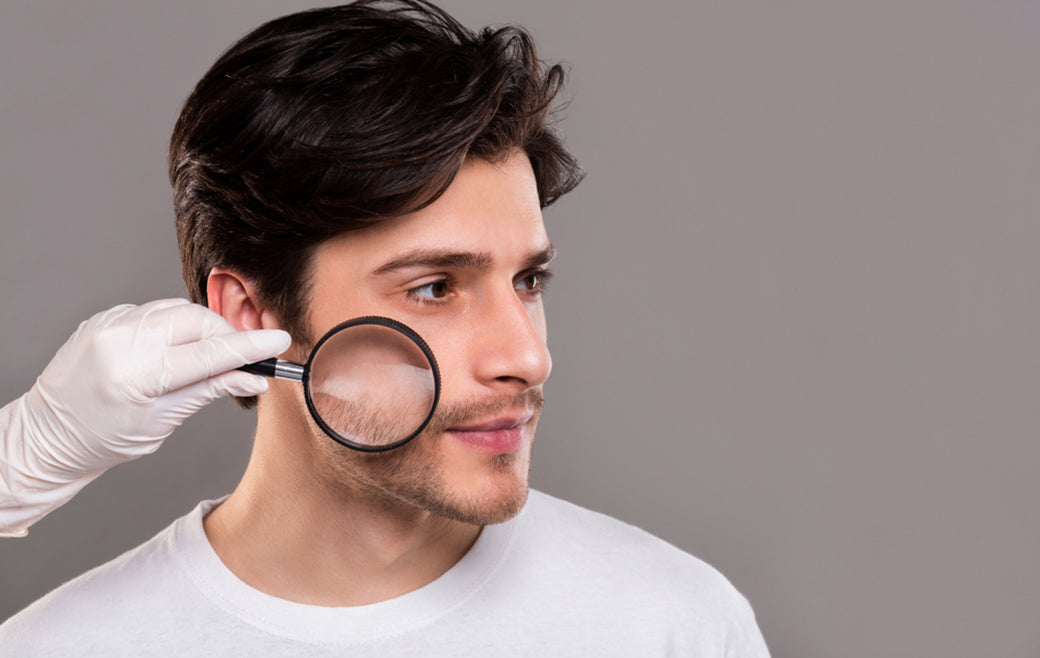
x=371, y=385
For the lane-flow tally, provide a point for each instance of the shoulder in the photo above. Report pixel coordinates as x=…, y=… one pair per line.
x=90, y=610
x=593, y=533
x=614, y=561
x=604, y=539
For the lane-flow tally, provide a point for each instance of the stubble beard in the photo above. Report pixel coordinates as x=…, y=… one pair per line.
x=417, y=475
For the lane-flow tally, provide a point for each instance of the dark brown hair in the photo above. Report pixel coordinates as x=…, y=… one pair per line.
x=332, y=119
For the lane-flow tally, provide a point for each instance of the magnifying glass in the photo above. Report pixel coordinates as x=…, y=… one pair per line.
x=371, y=383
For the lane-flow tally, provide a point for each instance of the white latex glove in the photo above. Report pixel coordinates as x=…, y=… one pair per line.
x=119, y=386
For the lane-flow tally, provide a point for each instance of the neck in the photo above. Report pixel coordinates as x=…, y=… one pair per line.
x=291, y=533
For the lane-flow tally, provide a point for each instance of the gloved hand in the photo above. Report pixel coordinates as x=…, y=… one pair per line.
x=119, y=386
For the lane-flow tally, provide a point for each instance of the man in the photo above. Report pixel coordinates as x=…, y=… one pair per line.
x=379, y=159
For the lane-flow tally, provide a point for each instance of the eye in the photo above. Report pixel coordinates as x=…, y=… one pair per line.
x=432, y=290
x=533, y=282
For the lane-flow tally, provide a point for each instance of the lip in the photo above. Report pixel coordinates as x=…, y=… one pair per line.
x=505, y=422
x=496, y=436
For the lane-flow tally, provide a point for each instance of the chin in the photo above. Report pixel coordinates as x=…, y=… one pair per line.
x=475, y=489
x=481, y=509
x=435, y=475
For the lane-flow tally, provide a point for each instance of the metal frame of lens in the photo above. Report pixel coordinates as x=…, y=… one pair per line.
x=408, y=333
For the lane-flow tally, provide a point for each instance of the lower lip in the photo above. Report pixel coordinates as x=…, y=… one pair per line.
x=493, y=442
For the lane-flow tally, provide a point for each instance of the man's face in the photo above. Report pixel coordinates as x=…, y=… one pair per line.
x=466, y=273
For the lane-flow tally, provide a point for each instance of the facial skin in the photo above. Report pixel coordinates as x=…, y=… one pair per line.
x=315, y=522
x=466, y=273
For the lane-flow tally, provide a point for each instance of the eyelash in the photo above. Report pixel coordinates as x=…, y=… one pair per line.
x=543, y=275
x=414, y=295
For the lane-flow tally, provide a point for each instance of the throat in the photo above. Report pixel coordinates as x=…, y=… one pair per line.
x=310, y=548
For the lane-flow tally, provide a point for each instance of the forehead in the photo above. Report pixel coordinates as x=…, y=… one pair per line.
x=490, y=208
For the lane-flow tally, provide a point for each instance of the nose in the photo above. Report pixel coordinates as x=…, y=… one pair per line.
x=510, y=345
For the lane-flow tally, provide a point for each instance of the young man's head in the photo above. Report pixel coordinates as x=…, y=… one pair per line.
x=380, y=159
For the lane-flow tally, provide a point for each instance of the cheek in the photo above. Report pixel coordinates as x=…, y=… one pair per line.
x=331, y=309
x=449, y=349
x=455, y=343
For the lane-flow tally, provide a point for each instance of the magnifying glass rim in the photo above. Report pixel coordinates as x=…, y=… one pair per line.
x=409, y=333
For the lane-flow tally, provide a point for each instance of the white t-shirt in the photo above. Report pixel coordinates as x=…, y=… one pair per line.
x=557, y=580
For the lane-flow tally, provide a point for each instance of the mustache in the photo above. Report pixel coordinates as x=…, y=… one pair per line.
x=447, y=416
x=464, y=413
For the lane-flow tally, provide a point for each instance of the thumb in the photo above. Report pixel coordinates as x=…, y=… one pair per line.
x=169, y=411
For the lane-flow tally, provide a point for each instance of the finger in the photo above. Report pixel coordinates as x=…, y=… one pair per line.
x=235, y=382
x=121, y=314
x=184, y=323
x=184, y=402
x=132, y=313
x=194, y=362
x=160, y=304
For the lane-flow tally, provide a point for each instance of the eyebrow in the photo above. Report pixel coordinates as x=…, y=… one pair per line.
x=445, y=258
x=540, y=258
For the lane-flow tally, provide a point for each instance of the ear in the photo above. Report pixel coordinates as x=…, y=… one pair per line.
x=234, y=297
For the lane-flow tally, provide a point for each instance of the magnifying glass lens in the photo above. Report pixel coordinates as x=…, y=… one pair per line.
x=371, y=385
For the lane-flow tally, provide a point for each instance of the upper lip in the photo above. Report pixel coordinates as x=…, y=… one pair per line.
x=506, y=422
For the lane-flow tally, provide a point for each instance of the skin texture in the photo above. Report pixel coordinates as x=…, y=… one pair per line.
x=317, y=523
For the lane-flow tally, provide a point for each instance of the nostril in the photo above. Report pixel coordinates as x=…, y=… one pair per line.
x=511, y=379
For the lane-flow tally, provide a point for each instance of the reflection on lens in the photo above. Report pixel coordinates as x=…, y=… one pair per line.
x=371, y=385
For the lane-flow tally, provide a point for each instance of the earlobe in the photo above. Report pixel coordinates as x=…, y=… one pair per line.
x=234, y=297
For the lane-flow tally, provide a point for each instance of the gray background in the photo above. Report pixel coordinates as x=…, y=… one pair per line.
x=795, y=321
